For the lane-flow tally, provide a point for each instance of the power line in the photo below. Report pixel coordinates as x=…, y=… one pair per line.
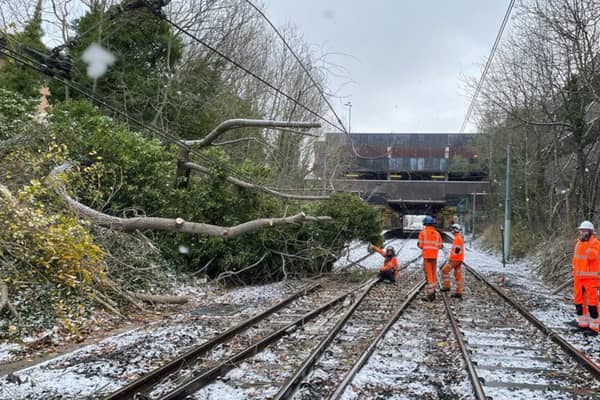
x=487, y=66
x=155, y=8
x=249, y=72
x=344, y=130
x=317, y=86
x=46, y=70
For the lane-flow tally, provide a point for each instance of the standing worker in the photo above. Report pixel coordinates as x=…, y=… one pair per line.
x=389, y=269
x=455, y=260
x=430, y=241
x=586, y=278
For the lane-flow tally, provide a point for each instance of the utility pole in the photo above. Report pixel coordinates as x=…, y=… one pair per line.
x=507, y=204
x=324, y=174
x=473, y=223
x=349, y=105
x=447, y=157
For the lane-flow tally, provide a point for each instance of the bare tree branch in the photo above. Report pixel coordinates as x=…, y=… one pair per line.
x=246, y=123
x=247, y=185
x=173, y=225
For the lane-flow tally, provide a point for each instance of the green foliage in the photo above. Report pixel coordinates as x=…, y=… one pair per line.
x=145, y=172
x=18, y=78
x=120, y=169
x=49, y=259
x=463, y=167
x=353, y=219
x=16, y=112
x=145, y=50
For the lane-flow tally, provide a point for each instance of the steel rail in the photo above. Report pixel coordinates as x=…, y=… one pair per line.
x=369, y=351
x=194, y=384
x=473, y=376
x=579, y=356
x=148, y=380
x=290, y=386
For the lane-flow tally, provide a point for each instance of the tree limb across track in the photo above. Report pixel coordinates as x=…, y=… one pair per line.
x=173, y=225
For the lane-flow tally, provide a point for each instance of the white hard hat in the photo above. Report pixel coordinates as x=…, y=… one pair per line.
x=586, y=225
x=455, y=227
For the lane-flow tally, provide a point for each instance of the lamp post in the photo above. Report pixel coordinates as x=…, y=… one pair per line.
x=349, y=105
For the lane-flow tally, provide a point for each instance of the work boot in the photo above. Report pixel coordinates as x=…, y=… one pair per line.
x=573, y=324
x=589, y=332
x=457, y=295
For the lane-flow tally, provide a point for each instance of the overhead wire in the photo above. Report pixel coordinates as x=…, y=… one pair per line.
x=43, y=69
x=299, y=61
x=487, y=66
x=251, y=73
x=173, y=139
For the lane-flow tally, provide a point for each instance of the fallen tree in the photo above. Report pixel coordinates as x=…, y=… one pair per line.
x=169, y=224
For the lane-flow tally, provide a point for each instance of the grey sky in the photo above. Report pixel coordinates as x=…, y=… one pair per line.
x=408, y=57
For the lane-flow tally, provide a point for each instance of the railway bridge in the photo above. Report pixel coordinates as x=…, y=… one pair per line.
x=439, y=174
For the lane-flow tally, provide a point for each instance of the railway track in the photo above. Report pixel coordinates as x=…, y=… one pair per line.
x=327, y=320
x=251, y=335
x=333, y=342
x=334, y=358
x=418, y=358
x=511, y=354
x=243, y=334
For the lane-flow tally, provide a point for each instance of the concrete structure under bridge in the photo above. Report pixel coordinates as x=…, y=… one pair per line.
x=415, y=197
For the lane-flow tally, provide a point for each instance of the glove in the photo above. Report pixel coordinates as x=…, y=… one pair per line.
x=457, y=251
x=370, y=249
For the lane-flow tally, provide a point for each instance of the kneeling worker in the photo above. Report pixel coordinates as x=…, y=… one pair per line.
x=389, y=269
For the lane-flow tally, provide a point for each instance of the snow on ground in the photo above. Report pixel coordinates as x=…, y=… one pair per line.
x=406, y=250
x=7, y=351
x=76, y=375
x=519, y=280
x=111, y=363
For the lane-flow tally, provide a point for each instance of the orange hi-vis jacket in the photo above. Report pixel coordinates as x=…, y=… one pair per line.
x=389, y=264
x=457, y=251
x=586, y=260
x=430, y=241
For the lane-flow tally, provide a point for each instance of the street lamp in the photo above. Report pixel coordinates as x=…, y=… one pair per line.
x=349, y=105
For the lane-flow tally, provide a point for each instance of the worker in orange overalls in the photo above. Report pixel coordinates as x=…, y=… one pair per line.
x=586, y=278
x=455, y=260
x=430, y=241
x=389, y=269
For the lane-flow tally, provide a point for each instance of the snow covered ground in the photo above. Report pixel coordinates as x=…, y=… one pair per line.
x=109, y=364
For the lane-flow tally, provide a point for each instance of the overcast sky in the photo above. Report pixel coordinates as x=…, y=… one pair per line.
x=406, y=59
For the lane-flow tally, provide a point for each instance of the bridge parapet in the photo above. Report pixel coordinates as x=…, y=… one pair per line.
x=412, y=191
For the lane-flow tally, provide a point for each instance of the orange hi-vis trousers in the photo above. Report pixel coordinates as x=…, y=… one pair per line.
x=585, y=297
x=457, y=267
x=429, y=266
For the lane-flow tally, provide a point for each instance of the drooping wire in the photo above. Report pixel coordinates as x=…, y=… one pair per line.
x=487, y=66
x=155, y=8
x=43, y=69
x=299, y=61
x=253, y=74
x=301, y=64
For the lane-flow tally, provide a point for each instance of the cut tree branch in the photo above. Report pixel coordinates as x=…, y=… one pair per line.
x=247, y=123
x=173, y=225
x=247, y=185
